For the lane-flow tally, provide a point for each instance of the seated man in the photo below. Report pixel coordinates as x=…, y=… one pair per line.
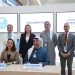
x=37, y=54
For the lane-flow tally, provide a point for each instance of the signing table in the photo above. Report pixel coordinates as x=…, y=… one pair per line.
x=18, y=70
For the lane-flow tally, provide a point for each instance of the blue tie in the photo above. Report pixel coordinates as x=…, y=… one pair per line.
x=9, y=35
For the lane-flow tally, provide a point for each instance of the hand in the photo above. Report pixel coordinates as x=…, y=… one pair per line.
x=20, y=55
x=14, y=62
x=9, y=63
x=65, y=55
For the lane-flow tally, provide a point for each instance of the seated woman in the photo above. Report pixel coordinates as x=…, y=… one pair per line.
x=9, y=55
x=37, y=54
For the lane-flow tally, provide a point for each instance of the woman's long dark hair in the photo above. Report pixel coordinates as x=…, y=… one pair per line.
x=25, y=28
x=13, y=48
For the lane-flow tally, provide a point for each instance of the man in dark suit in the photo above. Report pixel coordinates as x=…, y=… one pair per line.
x=66, y=46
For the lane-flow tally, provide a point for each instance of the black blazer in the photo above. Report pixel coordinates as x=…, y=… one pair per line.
x=24, y=46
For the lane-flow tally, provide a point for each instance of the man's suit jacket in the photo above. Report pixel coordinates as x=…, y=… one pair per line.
x=70, y=43
x=24, y=46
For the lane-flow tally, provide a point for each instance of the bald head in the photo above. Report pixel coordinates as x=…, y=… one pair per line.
x=47, y=25
x=66, y=27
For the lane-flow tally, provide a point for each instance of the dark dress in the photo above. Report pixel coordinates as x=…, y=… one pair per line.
x=24, y=46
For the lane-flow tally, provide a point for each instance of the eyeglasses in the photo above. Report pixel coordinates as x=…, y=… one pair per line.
x=46, y=24
x=65, y=26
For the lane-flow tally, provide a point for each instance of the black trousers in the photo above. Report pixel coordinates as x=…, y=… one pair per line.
x=66, y=61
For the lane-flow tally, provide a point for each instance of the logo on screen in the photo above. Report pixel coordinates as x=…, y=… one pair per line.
x=3, y=23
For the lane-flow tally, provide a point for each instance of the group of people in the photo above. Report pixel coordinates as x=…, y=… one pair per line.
x=33, y=49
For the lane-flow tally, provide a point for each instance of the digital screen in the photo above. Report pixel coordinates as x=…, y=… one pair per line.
x=36, y=21
x=66, y=17
x=6, y=19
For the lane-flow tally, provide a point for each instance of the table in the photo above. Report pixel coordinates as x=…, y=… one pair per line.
x=18, y=70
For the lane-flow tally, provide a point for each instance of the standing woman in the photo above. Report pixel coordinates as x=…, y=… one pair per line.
x=26, y=41
x=9, y=54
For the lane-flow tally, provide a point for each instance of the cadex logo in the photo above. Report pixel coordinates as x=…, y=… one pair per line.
x=35, y=22
x=71, y=21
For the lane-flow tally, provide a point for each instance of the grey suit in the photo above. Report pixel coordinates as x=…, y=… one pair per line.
x=70, y=49
x=49, y=45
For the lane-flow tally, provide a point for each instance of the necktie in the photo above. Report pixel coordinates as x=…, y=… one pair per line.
x=65, y=41
x=9, y=35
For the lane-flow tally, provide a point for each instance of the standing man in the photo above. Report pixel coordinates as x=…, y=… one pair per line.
x=49, y=41
x=66, y=46
x=9, y=34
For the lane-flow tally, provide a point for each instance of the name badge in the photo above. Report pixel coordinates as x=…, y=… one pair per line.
x=65, y=48
x=32, y=66
x=34, y=55
x=45, y=44
x=2, y=66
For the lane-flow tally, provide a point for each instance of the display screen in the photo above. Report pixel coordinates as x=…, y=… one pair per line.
x=66, y=17
x=36, y=21
x=6, y=19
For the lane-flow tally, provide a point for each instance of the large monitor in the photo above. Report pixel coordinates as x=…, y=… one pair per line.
x=6, y=19
x=62, y=18
x=36, y=21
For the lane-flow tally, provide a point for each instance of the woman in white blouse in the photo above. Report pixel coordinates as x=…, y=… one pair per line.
x=26, y=41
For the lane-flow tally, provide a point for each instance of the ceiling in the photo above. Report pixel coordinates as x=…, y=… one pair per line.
x=44, y=2
x=35, y=2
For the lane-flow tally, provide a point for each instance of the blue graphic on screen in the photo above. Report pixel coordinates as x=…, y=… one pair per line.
x=71, y=21
x=3, y=23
